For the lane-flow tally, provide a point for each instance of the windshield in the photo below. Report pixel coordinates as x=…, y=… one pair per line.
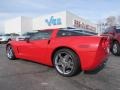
x=10, y=35
x=7, y=35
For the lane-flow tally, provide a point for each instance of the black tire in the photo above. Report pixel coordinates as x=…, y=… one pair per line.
x=116, y=51
x=10, y=54
x=74, y=60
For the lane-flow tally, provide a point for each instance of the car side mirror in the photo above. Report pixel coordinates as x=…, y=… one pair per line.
x=27, y=40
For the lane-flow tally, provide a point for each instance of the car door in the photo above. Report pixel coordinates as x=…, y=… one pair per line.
x=37, y=47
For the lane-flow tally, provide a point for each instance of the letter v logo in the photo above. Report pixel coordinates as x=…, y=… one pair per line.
x=49, y=22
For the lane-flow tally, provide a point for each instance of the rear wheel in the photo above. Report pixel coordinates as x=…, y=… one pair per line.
x=116, y=48
x=66, y=62
x=10, y=53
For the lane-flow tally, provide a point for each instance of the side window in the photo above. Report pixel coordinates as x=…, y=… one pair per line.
x=118, y=30
x=63, y=33
x=41, y=35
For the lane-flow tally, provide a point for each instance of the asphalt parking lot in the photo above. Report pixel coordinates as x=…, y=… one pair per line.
x=23, y=75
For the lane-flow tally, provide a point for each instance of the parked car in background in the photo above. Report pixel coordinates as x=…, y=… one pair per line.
x=8, y=37
x=68, y=51
x=26, y=35
x=114, y=34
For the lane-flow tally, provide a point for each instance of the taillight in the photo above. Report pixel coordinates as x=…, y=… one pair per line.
x=105, y=42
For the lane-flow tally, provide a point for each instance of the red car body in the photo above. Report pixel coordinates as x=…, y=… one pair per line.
x=91, y=50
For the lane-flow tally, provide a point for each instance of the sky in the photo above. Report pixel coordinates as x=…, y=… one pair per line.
x=92, y=10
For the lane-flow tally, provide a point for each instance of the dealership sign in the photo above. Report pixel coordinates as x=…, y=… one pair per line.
x=80, y=24
x=53, y=21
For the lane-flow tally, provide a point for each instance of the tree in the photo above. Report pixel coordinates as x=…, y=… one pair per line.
x=111, y=21
x=118, y=20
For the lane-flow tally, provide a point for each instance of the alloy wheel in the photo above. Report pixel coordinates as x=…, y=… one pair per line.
x=9, y=52
x=64, y=63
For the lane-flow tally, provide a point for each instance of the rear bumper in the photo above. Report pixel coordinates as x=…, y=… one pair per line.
x=92, y=60
x=96, y=65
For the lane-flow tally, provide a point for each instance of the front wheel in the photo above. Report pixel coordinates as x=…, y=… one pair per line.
x=66, y=62
x=10, y=53
x=116, y=48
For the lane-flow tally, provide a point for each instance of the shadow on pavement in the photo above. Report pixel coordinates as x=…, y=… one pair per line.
x=96, y=70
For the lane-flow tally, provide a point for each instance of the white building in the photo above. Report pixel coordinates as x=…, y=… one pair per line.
x=19, y=25
x=64, y=19
x=2, y=28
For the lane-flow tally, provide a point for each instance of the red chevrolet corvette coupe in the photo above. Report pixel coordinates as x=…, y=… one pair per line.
x=69, y=51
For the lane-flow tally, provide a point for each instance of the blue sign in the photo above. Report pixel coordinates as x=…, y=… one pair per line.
x=53, y=21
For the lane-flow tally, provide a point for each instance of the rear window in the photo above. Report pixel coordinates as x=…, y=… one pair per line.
x=87, y=32
x=7, y=35
x=106, y=31
x=63, y=33
x=112, y=29
x=11, y=35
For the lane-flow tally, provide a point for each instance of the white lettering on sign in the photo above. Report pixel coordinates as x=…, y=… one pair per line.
x=79, y=24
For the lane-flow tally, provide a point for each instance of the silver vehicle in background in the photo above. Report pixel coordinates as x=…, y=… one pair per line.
x=8, y=37
x=24, y=36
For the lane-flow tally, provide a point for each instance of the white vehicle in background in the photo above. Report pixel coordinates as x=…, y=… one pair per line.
x=21, y=38
x=8, y=37
x=24, y=36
